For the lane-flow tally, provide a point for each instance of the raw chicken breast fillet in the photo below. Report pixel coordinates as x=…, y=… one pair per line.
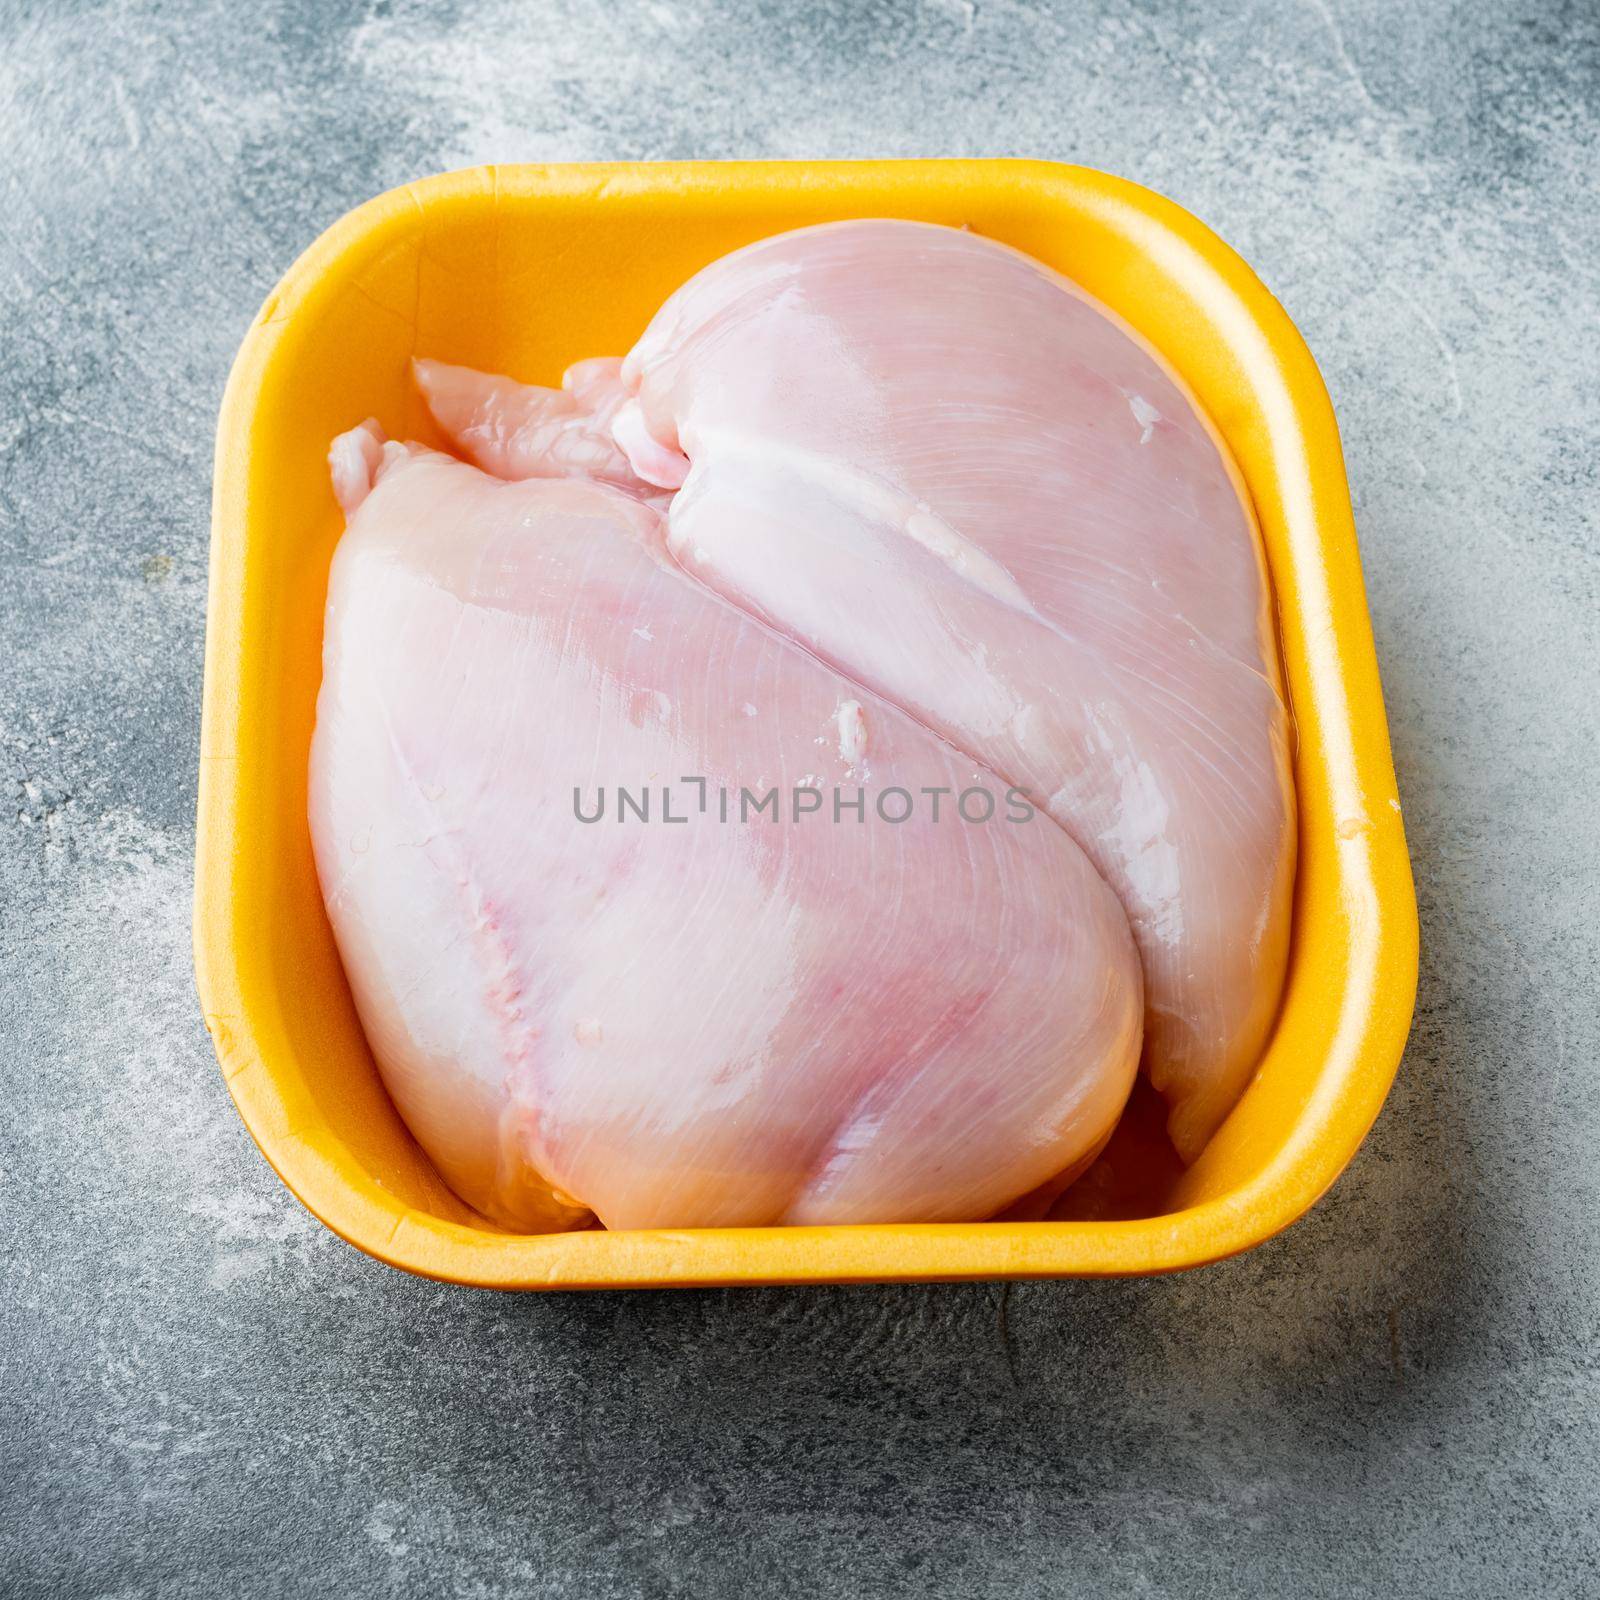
x=953, y=476
x=702, y=1023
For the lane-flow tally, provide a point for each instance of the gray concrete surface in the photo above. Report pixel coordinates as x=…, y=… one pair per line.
x=207, y=1394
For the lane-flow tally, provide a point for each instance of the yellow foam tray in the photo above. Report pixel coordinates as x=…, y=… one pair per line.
x=527, y=268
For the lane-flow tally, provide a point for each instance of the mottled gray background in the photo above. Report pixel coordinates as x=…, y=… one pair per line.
x=207, y=1394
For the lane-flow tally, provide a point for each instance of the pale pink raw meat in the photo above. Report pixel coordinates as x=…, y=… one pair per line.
x=697, y=1024
x=953, y=476
x=517, y=431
